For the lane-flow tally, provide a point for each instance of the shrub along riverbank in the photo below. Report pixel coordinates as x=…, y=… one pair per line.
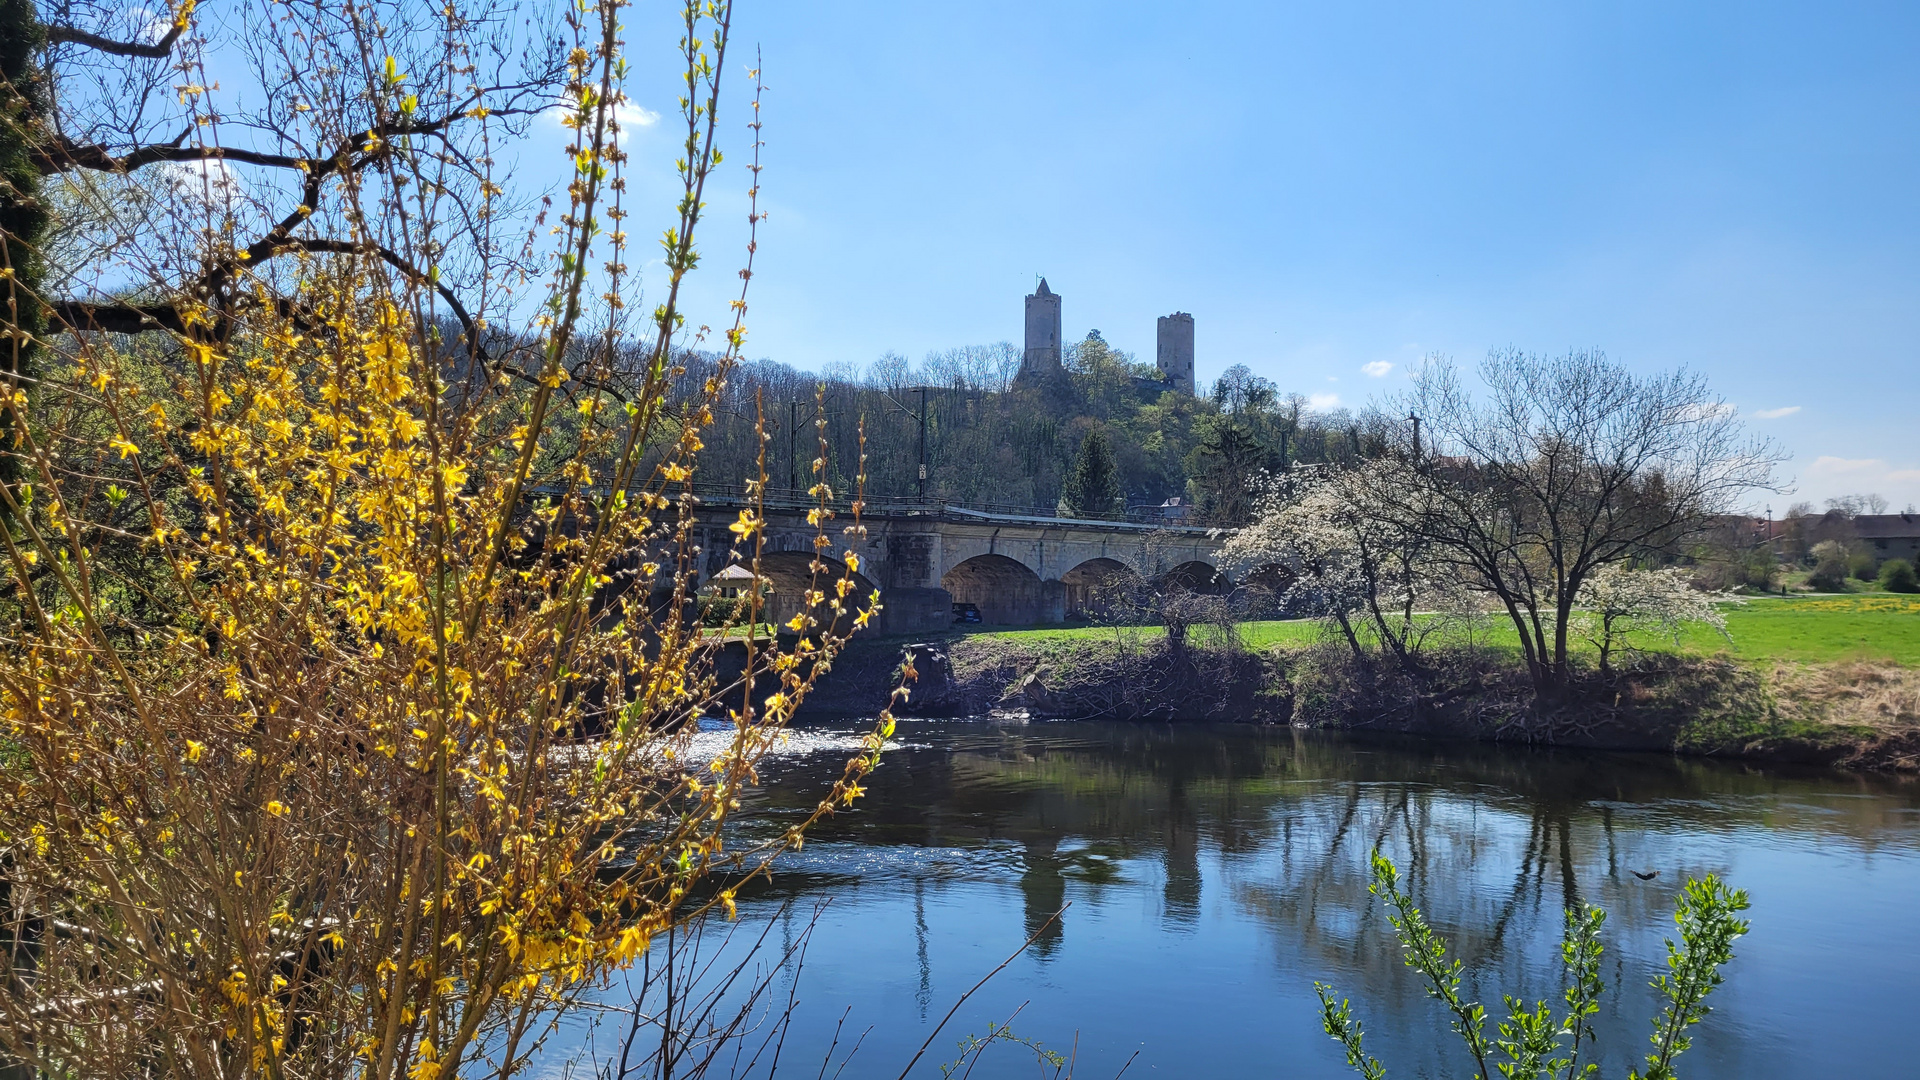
x=1820, y=680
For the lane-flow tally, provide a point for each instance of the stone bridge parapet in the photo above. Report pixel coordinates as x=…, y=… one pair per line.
x=1015, y=569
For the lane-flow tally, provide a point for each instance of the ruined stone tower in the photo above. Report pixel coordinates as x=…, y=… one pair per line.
x=1173, y=348
x=1042, y=359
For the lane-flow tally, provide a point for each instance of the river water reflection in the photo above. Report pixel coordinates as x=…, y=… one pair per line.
x=1216, y=872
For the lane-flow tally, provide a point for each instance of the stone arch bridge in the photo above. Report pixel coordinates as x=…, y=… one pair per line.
x=1016, y=569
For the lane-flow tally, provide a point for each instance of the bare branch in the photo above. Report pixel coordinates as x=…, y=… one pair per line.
x=159, y=50
x=80, y=315
x=65, y=154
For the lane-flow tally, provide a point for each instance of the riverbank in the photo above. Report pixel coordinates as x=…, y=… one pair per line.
x=1856, y=713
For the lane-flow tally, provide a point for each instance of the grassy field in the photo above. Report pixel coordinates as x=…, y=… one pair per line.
x=1819, y=629
x=1814, y=629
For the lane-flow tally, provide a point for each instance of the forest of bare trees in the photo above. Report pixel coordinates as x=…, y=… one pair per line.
x=990, y=441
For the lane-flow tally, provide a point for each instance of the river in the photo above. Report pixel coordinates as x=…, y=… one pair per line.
x=1211, y=874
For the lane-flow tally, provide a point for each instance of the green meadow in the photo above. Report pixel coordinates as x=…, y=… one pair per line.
x=1812, y=629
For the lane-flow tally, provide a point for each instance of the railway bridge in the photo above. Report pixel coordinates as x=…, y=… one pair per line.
x=1017, y=569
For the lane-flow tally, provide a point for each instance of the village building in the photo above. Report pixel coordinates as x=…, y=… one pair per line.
x=1889, y=536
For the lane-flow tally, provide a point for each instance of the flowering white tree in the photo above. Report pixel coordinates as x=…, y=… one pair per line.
x=1340, y=560
x=1618, y=599
x=1303, y=535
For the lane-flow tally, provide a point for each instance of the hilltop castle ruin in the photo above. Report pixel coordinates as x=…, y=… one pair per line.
x=1173, y=343
x=1173, y=350
x=1042, y=358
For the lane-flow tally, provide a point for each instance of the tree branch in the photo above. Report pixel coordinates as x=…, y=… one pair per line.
x=120, y=318
x=81, y=315
x=64, y=154
x=156, y=51
x=395, y=260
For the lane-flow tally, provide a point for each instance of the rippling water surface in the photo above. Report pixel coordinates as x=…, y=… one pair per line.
x=1214, y=873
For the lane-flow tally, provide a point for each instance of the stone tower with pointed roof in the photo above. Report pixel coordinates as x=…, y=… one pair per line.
x=1041, y=361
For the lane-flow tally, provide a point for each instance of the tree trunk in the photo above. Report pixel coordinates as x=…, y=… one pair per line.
x=1353, y=640
x=23, y=213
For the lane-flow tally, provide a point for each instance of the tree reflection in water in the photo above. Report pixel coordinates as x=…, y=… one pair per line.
x=1271, y=829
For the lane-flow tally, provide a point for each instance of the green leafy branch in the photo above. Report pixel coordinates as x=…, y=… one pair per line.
x=1707, y=913
x=1530, y=1043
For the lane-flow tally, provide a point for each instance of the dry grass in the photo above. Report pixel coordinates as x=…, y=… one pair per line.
x=1881, y=696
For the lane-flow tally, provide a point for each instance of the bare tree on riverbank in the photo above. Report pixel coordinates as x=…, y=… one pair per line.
x=1559, y=467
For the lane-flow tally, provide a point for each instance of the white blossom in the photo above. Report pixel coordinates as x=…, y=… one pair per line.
x=1617, y=599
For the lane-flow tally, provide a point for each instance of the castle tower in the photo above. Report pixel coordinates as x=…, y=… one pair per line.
x=1042, y=358
x=1173, y=348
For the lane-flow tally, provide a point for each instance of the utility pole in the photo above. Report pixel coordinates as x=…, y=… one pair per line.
x=921, y=416
x=793, y=446
x=1416, y=434
x=923, y=443
x=1773, y=555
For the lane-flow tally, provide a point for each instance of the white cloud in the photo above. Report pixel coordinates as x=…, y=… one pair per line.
x=1377, y=369
x=1828, y=465
x=152, y=27
x=634, y=117
x=1775, y=414
x=1831, y=476
x=1323, y=401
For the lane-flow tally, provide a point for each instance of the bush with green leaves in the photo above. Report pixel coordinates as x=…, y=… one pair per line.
x=1896, y=575
x=1530, y=1043
x=721, y=610
x=1759, y=571
x=1829, y=567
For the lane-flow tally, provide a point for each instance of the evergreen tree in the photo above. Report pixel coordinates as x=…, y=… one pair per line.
x=1093, y=487
x=23, y=213
x=1227, y=470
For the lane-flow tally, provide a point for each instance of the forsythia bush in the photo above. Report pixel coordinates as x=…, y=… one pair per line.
x=386, y=758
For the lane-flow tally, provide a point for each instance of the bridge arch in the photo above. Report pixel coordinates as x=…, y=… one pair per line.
x=790, y=575
x=1090, y=585
x=1195, y=575
x=1262, y=590
x=1005, y=590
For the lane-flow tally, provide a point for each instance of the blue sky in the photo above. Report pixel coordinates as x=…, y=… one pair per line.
x=1335, y=188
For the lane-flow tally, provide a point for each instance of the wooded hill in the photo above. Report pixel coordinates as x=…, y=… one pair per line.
x=992, y=441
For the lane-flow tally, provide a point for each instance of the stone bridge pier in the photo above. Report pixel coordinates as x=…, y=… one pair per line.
x=1017, y=570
